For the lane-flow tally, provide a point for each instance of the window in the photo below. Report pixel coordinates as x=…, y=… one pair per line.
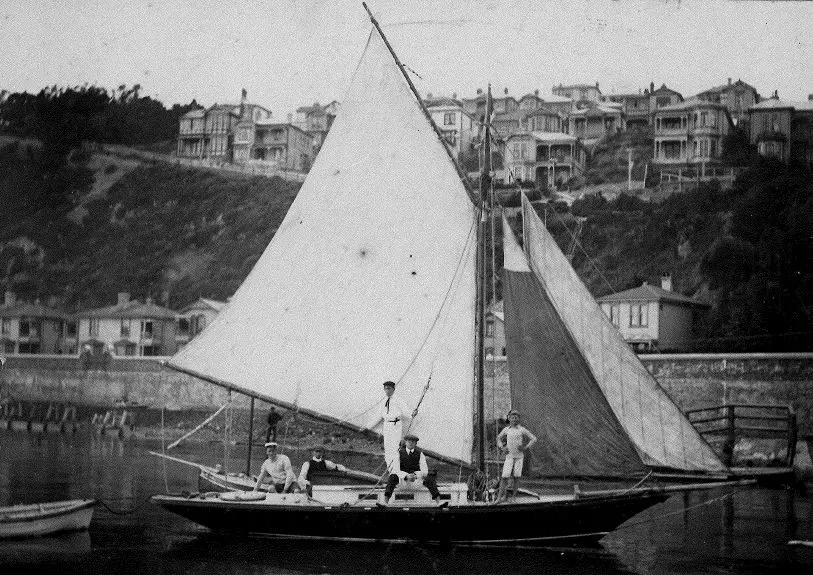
x=615, y=314
x=639, y=315
x=29, y=347
x=8, y=346
x=183, y=326
x=125, y=328
x=5, y=326
x=490, y=328
x=146, y=329
x=25, y=328
x=93, y=328
x=448, y=119
x=198, y=323
x=517, y=155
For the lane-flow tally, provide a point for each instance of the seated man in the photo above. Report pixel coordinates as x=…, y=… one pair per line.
x=412, y=467
x=316, y=464
x=277, y=468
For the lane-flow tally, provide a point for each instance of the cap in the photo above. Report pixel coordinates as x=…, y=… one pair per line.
x=411, y=436
x=513, y=412
x=317, y=448
x=389, y=384
x=272, y=444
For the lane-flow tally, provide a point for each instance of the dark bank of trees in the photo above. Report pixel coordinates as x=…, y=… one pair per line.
x=748, y=251
x=61, y=119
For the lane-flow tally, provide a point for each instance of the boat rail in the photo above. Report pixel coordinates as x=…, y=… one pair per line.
x=736, y=420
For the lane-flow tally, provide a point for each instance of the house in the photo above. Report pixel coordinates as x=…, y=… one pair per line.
x=579, y=93
x=596, y=121
x=129, y=327
x=210, y=133
x=738, y=98
x=192, y=319
x=316, y=120
x=662, y=97
x=545, y=119
x=654, y=318
x=457, y=126
x=34, y=328
x=561, y=104
x=783, y=129
x=284, y=144
x=476, y=107
x=690, y=132
x=634, y=107
x=549, y=159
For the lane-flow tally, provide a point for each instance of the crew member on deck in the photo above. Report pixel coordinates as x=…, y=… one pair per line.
x=412, y=467
x=395, y=414
x=512, y=440
x=277, y=467
x=316, y=464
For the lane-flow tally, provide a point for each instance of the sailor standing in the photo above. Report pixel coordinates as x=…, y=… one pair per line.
x=395, y=415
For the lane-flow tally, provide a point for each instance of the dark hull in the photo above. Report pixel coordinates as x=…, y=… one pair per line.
x=578, y=521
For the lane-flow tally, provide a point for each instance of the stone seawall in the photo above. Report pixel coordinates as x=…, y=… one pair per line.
x=692, y=380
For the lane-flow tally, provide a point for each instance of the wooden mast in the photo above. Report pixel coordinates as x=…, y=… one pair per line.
x=482, y=250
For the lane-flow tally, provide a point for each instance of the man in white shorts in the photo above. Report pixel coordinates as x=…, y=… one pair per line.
x=512, y=441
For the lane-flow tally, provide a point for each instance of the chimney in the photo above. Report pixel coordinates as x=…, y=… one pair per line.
x=536, y=92
x=290, y=118
x=729, y=81
x=651, y=87
x=810, y=97
x=454, y=95
x=596, y=85
x=776, y=94
x=429, y=95
x=10, y=298
x=123, y=298
x=505, y=91
x=243, y=98
x=479, y=91
x=666, y=282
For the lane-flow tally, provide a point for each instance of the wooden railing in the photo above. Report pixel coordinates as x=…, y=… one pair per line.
x=736, y=420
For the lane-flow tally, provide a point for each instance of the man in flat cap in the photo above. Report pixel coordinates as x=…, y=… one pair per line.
x=394, y=414
x=277, y=468
x=412, y=467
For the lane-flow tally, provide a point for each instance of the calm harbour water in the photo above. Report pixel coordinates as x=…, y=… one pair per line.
x=745, y=533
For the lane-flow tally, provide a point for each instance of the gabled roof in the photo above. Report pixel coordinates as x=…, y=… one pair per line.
x=441, y=101
x=23, y=309
x=664, y=90
x=204, y=303
x=196, y=113
x=131, y=310
x=648, y=292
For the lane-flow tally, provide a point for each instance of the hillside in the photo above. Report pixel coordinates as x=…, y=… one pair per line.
x=155, y=229
x=83, y=235
x=608, y=160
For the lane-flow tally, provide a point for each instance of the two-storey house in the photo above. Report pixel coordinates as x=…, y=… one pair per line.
x=662, y=97
x=316, y=120
x=129, y=327
x=635, y=109
x=286, y=145
x=457, y=126
x=783, y=129
x=690, y=132
x=596, y=121
x=652, y=318
x=549, y=159
x=738, y=98
x=34, y=328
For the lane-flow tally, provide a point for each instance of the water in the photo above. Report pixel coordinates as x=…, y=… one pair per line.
x=702, y=533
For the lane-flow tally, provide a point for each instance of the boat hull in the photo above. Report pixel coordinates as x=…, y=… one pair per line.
x=576, y=520
x=45, y=519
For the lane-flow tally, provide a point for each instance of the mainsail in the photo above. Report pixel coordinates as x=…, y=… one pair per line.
x=370, y=277
x=596, y=407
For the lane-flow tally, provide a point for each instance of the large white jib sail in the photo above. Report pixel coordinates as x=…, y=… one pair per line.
x=577, y=382
x=370, y=277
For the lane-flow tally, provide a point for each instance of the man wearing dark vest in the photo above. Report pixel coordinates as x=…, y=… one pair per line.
x=412, y=467
x=316, y=464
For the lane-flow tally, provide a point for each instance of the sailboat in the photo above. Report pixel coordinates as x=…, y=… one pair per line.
x=378, y=273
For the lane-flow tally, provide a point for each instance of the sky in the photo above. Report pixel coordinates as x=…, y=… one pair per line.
x=292, y=53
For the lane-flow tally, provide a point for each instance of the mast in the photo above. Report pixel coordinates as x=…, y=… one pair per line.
x=482, y=250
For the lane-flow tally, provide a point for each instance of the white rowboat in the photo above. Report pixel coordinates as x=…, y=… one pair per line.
x=45, y=518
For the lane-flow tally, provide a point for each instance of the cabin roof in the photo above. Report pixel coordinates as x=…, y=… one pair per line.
x=648, y=292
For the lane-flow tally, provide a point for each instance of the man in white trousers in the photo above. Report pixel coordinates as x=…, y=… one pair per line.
x=395, y=415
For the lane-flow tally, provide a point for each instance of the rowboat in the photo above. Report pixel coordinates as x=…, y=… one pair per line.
x=45, y=518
